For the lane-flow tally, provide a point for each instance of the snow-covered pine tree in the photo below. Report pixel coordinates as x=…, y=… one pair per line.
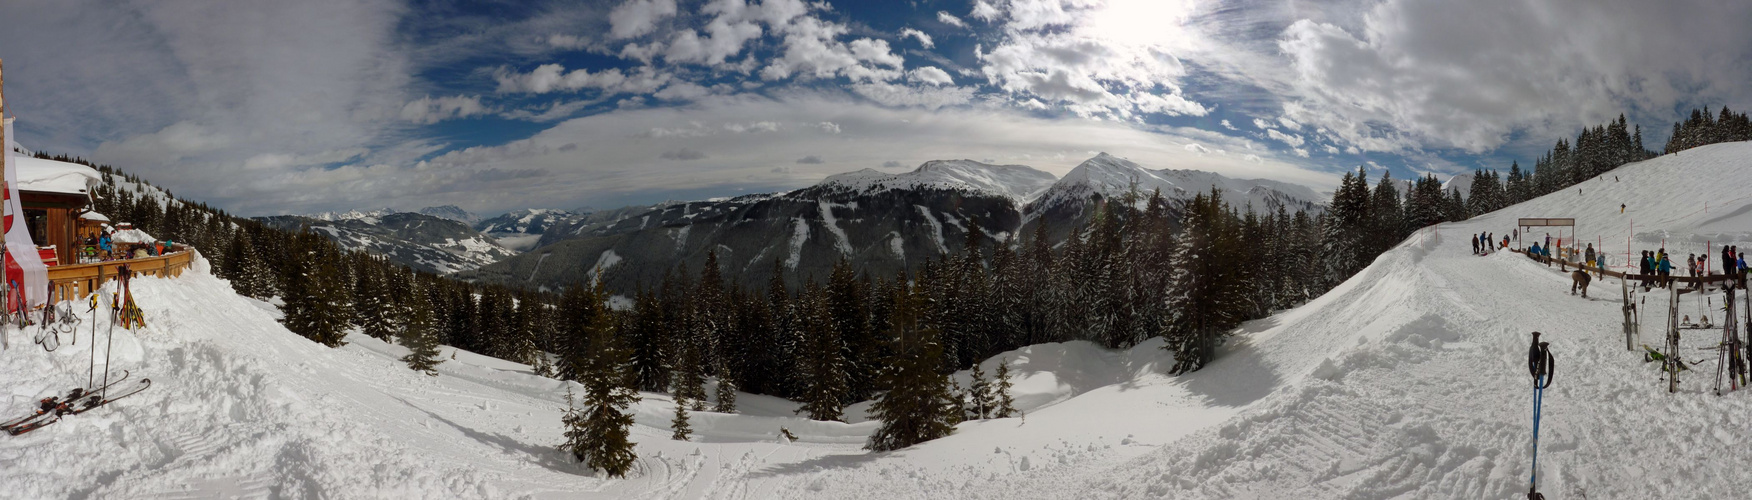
x=979, y=395
x=599, y=436
x=317, y=304
x=1205, y=294
x=849, y=309
x=650, y=353
x=1040, y=314
x=679, y=423
x=377, y=308
x=917, y=406
x=1005, y=401
x=726, y=391
x=1347, y=221
x=821, y=362
x=711, y=318
x=416, y=333
x=690, y=379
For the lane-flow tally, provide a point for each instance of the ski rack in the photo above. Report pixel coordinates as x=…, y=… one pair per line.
x=1730, y=359
x=1672, y=363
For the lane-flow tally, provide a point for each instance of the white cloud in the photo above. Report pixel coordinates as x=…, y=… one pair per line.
x=569, y=42
x=1291, y=139
x=830, y=127
x=1300, y=152
x=1330, y=149
x=923, y=38
x=609, y=163
x=681, y=91
x=946, y=18
x=1288, y=123
x=1407, y=74
x=638, y=17
x=1261, y=124
x=812, y=49
x=1096, y=59
x=931, y=75
x=926, y=97
x=1195, y=147
x=554, y=78
x=1229, y=126
x=427, y=110
x=985, y=12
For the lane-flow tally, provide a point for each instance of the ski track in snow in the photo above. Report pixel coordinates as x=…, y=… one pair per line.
x=840, y=242
x=537, y=267
x=936, y=228
x=1406, y=381
x=799, y=235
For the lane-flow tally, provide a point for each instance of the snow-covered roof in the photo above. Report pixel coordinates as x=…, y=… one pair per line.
x=132, y=236
x=49, y=176
x=94, y=216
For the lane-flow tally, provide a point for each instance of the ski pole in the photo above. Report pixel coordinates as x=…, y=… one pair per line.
x=91, y=365
x=122, y=276
x=1542, y=366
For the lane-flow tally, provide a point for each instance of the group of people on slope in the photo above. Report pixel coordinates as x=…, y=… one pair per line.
x=1658, y=265
x=1483, y=244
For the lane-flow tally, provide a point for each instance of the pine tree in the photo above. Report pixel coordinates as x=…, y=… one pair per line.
x=821, y=363
x=979, y=395
x=417, y=334
x=317, y=304
x=597, y=433
x=1006, y=403
x=917, y=406
x=651, y=353
x=1205, y=293
x=679, y=423
x=726, y=392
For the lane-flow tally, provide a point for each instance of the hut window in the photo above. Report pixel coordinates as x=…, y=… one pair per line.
x=38, y=222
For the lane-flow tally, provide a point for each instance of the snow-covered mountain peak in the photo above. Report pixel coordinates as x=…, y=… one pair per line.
x=452, y=212
x=1110, y=175
x=370, y=216
x=1017, y=182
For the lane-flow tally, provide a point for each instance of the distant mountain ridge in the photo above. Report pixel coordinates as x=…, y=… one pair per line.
x=883, y=223
x=420, y=241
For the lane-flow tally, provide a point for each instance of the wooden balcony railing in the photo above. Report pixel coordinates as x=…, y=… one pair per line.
x=83, y=278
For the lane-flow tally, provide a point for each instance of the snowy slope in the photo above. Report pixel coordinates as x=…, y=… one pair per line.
x=1409, y=380
x=1406, y=381
x=1016, y=182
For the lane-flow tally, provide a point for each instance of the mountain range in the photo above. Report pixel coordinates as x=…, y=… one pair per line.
x=882, y=223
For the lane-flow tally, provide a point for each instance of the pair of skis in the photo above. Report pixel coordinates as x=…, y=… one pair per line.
x=51, y=409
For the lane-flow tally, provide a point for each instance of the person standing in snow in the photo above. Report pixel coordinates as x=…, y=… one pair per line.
x=1664, y=268
x=1740, y=271
x=1588, y=256
x=1648, y=267
x=1474, y=244
x=1728, y=260
x=1691, y=265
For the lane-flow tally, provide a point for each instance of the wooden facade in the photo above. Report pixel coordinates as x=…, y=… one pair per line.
x=54, y=221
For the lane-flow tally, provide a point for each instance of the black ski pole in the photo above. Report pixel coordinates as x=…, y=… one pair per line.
x=1542, y=366
x=91, y=366
x=122, y=274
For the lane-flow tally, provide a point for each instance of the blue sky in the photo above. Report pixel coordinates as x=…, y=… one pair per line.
x=267, y=107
